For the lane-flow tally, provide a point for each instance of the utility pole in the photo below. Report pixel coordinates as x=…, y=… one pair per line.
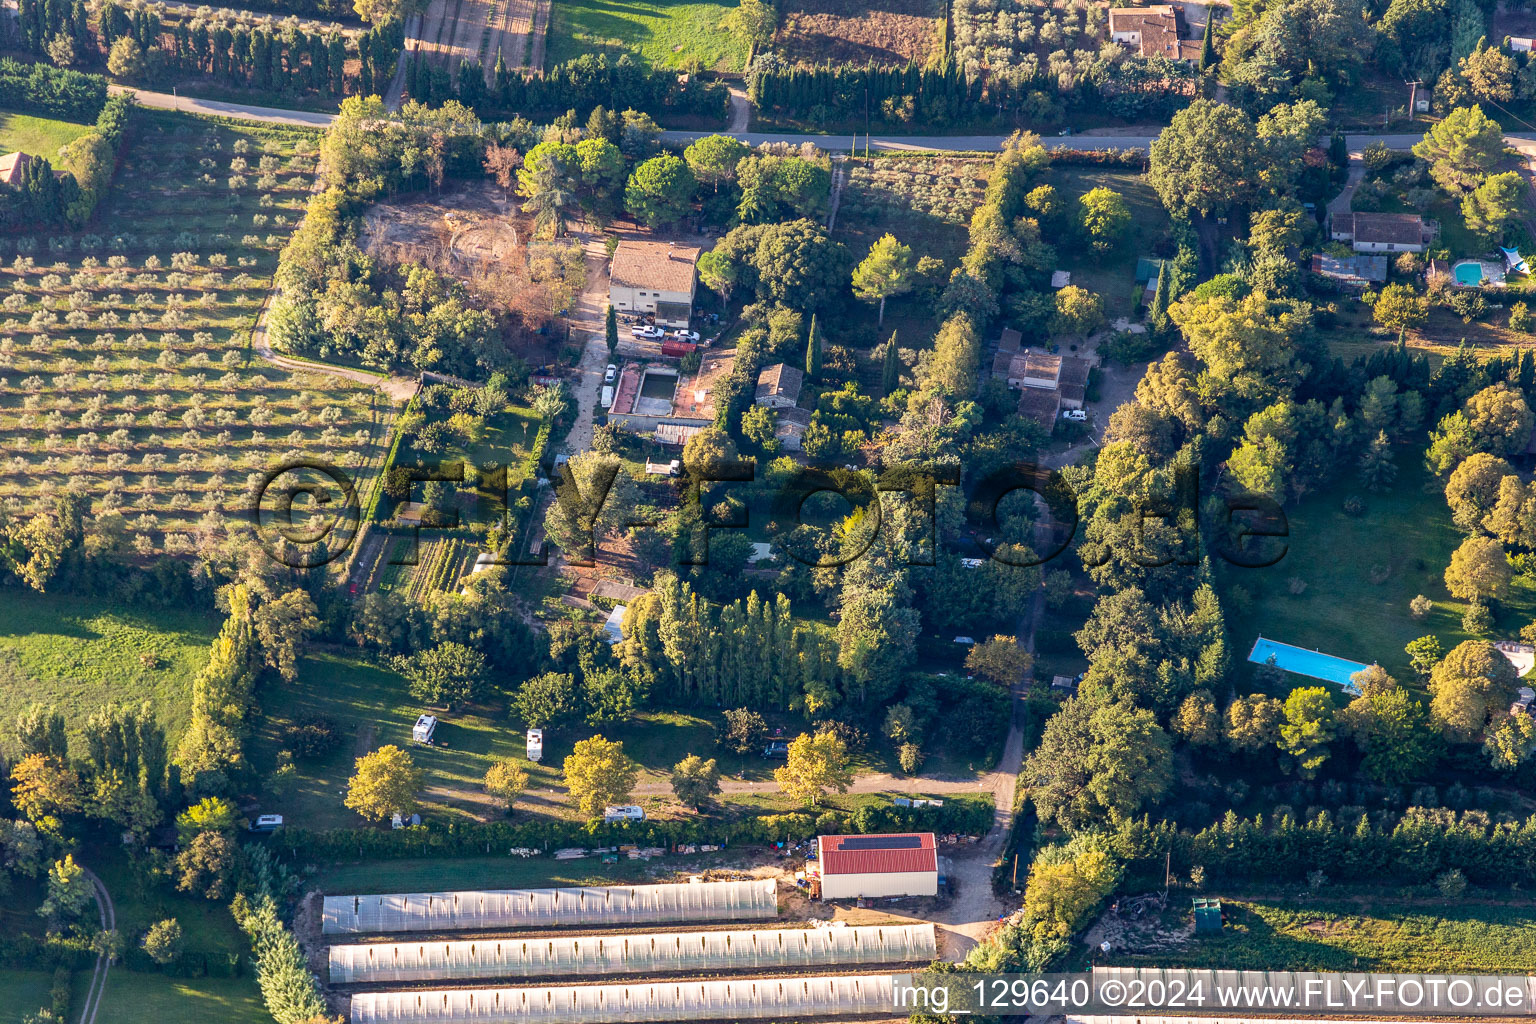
x=1413, y=97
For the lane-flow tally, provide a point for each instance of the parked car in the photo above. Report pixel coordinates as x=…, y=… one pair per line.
x=610, y=374
x=778, y=749
x=682, y=335
x=653, y=333
x=267, y=823
x=1074, y=415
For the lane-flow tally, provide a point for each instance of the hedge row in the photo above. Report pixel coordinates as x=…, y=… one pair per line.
x=1413, y=849
x=31, y=953
x=193, y=963
x=54, y=92
x=970, y=814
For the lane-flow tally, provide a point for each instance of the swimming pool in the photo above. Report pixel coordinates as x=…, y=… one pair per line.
x=1468, y=272
x=1313, y=664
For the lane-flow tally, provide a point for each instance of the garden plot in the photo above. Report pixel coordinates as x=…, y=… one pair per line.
x=883, y=31
x=125, y=374
x=943, y=189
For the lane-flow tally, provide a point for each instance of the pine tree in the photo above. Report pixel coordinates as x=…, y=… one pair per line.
x=890, y=367
x=1208, y=43
x=813, y=350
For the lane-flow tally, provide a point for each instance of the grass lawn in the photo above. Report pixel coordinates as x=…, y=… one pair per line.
x=1360, y=936
x=1113, y=277
x=23, y=993
x=663, y=32
x=1405, y=536
x=77, y=653
x=39, y=136
x=133, y=998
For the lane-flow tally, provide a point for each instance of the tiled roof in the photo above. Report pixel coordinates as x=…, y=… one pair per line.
x=654, y=265
x=1009, y=340
x=1158, y=27
x=1041, y=365
x=780, y=381
x=695, y=398
x=1074, y=370
x=1379, y=228
x=12, y=165
x=1040, y=405
x=901, y=853
x=794, y=416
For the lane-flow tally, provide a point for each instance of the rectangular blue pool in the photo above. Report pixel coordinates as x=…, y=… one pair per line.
x=1313, y=664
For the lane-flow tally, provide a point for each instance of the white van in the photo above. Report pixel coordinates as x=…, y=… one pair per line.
x=535, y=745
x=423, y=730
x=607, y=399
x=628, y=812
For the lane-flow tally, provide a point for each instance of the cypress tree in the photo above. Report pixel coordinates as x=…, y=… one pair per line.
x=813, y=350
x=890, y=367
x=611, y=329
x=1208, y=43
x=1162, y=298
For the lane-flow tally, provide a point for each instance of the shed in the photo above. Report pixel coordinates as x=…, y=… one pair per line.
x=1208, y=918
x=904, y=864
x=1147, y=269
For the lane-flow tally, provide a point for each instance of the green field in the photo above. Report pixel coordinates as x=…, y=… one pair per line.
x=1113, y=277
x=1382, y=936
x=78, y=653
x=663, y=32
x=1405, y=534
x=501, y=873
x=23, y=993
x=133, y=998
x=39, y=136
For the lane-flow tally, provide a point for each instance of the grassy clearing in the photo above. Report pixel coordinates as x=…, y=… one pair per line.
x=77, y=653
x=156, y=999
x=1405, y=533
x=39, y=136
x=1113, y=277
x=663, y=32
x=1361, y=936
x=23, y=993
x=502, y=873
x=126, y=345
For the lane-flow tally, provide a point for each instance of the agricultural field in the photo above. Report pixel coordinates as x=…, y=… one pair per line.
x=70, y=651
x=125, y=348
x=1356, y=574
x=1318, y=934
x=134, y=998
x=452, y=31
x=1020, y=34
x=39, y=136
x=885, y=32
x=662, y=32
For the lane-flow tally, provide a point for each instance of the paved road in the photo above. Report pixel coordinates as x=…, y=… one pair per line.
x=245, y=111
x=108, y=914
x=1524, y=141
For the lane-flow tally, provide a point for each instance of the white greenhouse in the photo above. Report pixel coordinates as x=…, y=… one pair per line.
x=613, y=907
x=757, y=950
x=744, y=999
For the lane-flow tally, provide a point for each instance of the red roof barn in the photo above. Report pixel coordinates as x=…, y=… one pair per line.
x=903, y=864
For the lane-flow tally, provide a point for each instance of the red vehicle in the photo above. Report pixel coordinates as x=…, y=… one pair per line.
x=677, y=349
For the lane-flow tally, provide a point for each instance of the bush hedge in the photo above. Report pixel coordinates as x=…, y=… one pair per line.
x=30, y=953
x=968, y=813
x=54, y=92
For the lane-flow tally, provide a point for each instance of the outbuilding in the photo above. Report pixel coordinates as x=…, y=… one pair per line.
x=904, y=864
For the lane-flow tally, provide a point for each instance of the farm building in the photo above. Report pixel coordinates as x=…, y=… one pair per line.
x=758, y=949
x=654, y=277
x=904, y=864
x=778, y=386
x=613, y=906
x=737, y=999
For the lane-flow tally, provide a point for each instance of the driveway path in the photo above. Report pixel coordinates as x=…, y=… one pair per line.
x=247, y=112
x=108, y=914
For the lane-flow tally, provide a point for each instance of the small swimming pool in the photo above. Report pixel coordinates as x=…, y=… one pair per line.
x=1313, y=664
x=1468, y=272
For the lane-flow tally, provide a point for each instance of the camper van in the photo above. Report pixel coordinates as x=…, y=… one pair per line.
x=425, y=726
x=607, y=399
x=627, y=812
x=535, y=745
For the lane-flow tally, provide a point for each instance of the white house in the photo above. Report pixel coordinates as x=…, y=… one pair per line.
x=904, y=864
x=1380, y=232
x=656, y=278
